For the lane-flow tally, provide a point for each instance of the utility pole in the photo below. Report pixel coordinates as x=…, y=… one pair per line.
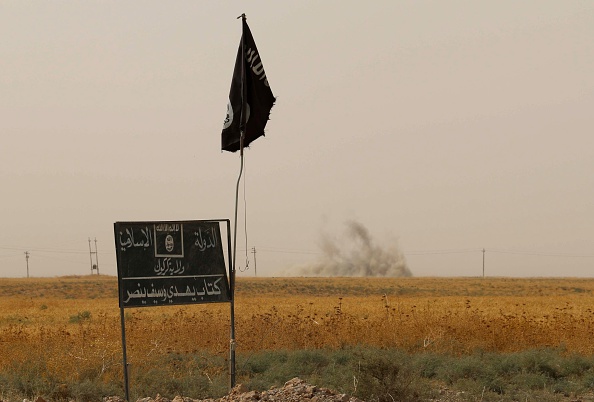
x=91, y=252
x=27, y=258
x=96, y=256
x=483, y=263
x=255, y=267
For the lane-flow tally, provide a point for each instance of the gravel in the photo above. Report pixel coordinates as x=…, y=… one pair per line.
x=295, y=390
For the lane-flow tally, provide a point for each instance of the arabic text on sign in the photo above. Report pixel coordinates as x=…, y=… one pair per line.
x=129, y=238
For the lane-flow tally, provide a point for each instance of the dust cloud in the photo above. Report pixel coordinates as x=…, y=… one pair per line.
x=357, y=255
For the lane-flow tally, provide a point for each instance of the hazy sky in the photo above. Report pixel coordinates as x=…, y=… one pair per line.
x=444, y=127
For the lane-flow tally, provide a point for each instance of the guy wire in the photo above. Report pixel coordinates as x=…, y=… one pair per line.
x=245, y=232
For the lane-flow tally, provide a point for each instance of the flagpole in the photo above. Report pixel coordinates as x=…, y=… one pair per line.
x=241, y=141
x=232, y=279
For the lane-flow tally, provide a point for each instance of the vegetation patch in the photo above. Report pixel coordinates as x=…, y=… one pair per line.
x=376, y=338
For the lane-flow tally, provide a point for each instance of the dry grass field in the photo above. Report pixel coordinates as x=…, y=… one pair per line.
x=69, y=327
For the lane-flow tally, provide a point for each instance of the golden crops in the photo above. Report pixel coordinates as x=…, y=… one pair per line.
x=72, y=324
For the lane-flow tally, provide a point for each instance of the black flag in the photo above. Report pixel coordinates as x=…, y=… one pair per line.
x=250, y=98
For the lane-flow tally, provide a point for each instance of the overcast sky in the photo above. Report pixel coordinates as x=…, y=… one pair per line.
x=444, y=127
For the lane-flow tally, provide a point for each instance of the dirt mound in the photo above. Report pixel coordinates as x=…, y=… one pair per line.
x=295, y=390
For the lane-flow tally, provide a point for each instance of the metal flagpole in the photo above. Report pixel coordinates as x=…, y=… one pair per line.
x=232, y=278
x=241, y=140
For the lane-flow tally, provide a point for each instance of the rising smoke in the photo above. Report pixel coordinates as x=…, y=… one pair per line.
x=357, y=255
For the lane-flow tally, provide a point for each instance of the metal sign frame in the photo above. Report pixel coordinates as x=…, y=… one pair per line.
x=172, y=263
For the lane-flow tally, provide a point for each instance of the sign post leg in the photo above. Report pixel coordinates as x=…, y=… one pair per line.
x=232, y=351
x=125, y=367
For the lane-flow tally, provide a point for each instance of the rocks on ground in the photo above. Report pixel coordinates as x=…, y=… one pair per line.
x=295, y=390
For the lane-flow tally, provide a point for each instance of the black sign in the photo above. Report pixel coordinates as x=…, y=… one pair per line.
x=165, y=263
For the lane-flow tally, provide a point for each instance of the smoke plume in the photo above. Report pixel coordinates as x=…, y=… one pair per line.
x=357, y=255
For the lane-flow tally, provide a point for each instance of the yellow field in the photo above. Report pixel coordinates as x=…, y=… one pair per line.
x=72, y=324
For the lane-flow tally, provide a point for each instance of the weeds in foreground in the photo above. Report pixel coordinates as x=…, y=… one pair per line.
x=382, y=345
x=372, y=374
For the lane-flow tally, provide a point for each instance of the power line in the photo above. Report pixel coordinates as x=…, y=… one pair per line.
x=45, y=250
x=500, y=251
x=277, y=250
x=12, y=255
x=39, y=257
x=53, y=250
x=288, y=251
x=544, y=254
x=431, y=252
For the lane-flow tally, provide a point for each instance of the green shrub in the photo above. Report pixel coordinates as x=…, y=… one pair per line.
x=542, y=361
x=429, y=365
x=386, y=377
x=465, y=367
x=80, y=317
x=308, y=361
x=576, y=365
x=372, y=374
x=89, y=390
x=530, y=381
x=588, y=380
x=260, y=363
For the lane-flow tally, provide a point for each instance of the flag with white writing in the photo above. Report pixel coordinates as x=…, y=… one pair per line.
x=252, y=88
